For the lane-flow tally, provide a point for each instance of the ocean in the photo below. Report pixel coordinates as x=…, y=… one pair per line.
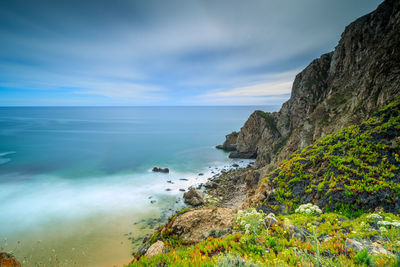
x=76, y=183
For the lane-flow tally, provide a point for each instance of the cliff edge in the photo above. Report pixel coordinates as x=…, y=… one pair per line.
x=338, y=89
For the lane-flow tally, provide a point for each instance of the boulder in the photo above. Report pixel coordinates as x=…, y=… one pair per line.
x=155, y=249
x=373, y=248
x=163, y=170
x=193, y=197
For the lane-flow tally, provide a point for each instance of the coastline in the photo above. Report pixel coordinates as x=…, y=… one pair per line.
x=118, y=233
x=226, y=189
x=203, y=182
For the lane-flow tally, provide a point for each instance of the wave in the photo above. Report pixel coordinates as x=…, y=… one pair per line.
x=3, y=161
x=7, y=153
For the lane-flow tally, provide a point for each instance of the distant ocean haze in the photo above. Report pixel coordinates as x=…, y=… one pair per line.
x=74, y=166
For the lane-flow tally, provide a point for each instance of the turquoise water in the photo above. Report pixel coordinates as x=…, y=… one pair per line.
x=67, y=165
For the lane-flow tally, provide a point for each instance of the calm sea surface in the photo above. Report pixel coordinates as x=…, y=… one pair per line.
x=73, y=180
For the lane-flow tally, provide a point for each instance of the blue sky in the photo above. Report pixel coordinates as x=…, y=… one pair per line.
x=125, y=52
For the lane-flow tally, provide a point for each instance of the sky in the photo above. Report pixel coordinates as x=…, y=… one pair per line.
x=159, y=52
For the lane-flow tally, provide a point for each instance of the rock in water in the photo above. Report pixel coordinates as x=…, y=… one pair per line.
x=155, y=249
x=163, y=170
x=193, y=197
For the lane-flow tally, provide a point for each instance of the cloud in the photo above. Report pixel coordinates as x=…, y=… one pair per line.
x=264, y=89
x=278, y=88
x=166, y=53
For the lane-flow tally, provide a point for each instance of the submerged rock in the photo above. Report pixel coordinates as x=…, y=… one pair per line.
x=163, y=170
x=193, y=197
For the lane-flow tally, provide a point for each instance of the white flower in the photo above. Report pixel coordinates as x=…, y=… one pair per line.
x=383, y=229
x=308, y=208
x=374, y=216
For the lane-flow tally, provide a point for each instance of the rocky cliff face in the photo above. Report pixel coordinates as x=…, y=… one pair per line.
x=340, y=88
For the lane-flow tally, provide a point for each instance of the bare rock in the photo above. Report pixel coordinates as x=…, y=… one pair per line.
x=230, y=142
x=193, y=197
x=155, y=249
x=163, y=170
x=373, y=248
x=196, y=225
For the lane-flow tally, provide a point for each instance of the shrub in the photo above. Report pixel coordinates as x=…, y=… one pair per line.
x=251, y=222
x=308, y=209
x=363, y=258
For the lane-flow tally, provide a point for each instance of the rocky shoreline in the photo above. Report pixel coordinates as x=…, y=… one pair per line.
x=225, y=187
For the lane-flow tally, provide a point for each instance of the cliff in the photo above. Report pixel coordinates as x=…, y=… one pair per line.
x=336, y=90
x=356, y=167
x=325, y=190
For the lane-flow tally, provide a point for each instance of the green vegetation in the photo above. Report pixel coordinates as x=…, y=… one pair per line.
x=363, y=258
x=354, y=169
x=295, y=240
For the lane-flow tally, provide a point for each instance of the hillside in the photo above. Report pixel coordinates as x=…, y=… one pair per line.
x=336, y=90
x=352, y=177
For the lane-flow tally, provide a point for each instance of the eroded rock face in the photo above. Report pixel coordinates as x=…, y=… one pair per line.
x=196, y=225
x=155, y=249
x=339, y=89
x=230, y=142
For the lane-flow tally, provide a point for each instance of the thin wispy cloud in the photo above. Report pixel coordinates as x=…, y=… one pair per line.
x=163, y=53
x=277, y=89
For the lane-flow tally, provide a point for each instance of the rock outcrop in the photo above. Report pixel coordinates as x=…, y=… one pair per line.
x=193, y=197
x=196, y=225
x=336, y=90
x=230, y=142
